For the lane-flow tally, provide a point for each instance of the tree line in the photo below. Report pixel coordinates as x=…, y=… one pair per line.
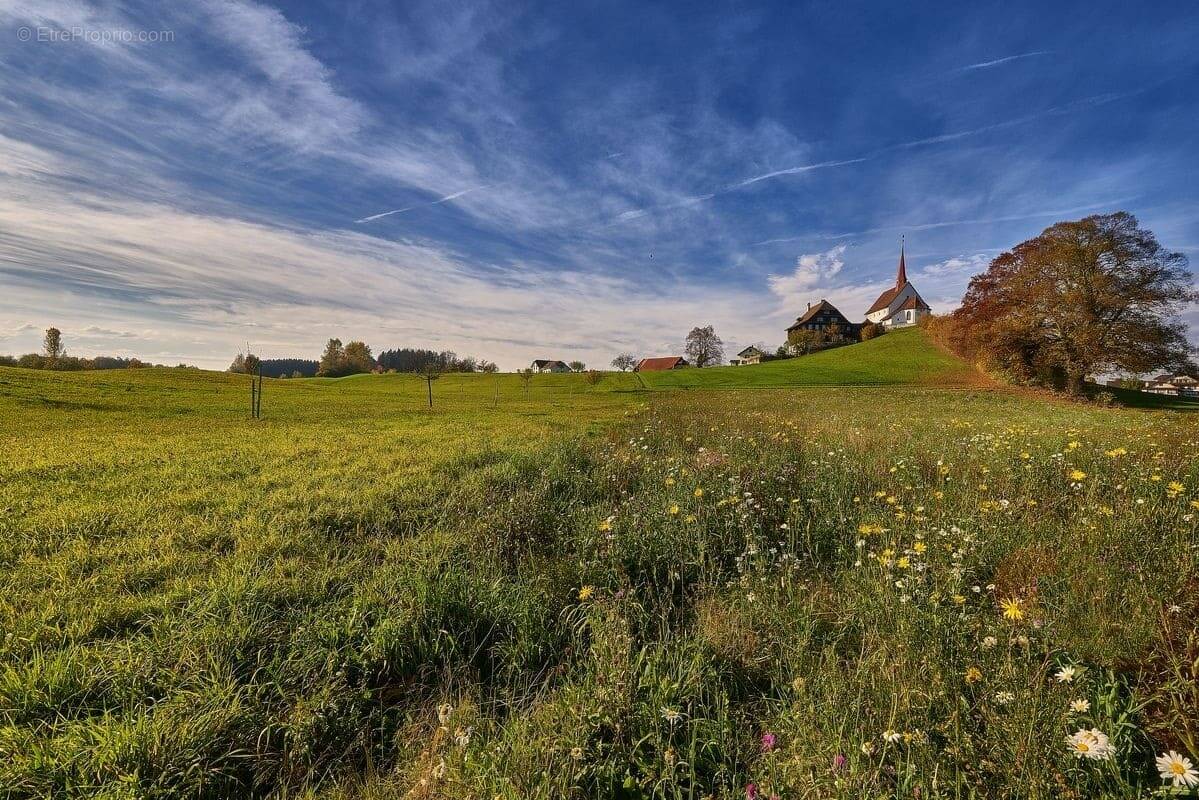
x=54, y=356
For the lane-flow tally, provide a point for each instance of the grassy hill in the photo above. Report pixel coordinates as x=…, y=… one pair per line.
x=898, y=358
x=590, y=591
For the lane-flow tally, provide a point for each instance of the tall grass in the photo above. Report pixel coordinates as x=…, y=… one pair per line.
x=587, y=592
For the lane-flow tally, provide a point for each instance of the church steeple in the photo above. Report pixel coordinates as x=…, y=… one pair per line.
x=902, y=277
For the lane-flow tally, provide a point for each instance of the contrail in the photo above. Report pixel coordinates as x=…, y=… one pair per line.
x=438, y=201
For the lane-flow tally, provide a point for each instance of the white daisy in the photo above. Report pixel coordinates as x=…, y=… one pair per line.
x=1003, y=698
x=1080, y=706
x=1092, y=744
x=1066, y=674
x=671, y=715
x=989, y=642
x=892, y=736
x=1178, y=769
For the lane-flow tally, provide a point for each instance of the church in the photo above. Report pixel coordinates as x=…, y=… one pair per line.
x=900, y=306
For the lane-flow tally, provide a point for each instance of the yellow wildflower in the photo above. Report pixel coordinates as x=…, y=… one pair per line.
x=1012, y=609
x=586, y=592
x=1077, y=475
x=974, y=675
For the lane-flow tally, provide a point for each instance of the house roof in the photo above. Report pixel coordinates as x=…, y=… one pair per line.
x=547, y=362
x=823, y=306
x=1163, y=378
x=913, y=302
x=662, y=362
x=751, y=350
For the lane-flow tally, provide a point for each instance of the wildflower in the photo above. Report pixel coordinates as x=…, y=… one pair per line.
x=799, y=684
x=1066, y=674
x=1092, y=744
x=974, y=675
x=670, y=481
x=1003, y=698
x=606, y=525
x=892, y=736
x=919, y=547
x=989, y=642
x=959, y=599
x=1012, y=609
x=751, y=791
x=1178, y=769
x=699, y=493
x=576, y=753
x=671, y=715
x=838, y=762
x=586, y=592
x=674, y=510
x=462, y=736
x=867, y=748
x=903, y=563
x=769, y=742
x=1116, y=452
x=1077, y=475
x=1080, y=705
x=443, y=713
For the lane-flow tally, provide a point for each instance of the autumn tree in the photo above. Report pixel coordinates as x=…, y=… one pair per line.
x=704, y=347
x=357, y=358
x=331, y=359
x=624, y=362
x=1083, y=297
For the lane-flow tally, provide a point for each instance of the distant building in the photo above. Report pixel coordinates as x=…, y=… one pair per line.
x=550, y=365
x=823, y=318
x=1179, y=385
x=661, y=364
x=899, y=306
x=750, y=355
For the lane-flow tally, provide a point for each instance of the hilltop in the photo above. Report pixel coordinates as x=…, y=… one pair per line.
x=902, y=357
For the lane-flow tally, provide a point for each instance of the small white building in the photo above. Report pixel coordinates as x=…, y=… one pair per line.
x=899, y=306
x=1177, y=385
x=750, y=355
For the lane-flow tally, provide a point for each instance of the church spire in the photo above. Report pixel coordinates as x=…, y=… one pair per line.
x=902, y=277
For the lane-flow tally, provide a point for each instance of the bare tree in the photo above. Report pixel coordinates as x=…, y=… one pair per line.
x=704, y=347
x=526, y=377
x=624, y=362
x=577, y=366
x=429, y=373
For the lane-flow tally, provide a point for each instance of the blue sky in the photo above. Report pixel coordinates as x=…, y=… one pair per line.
x=563, y=180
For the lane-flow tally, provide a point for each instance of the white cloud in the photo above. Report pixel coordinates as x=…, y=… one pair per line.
x=964, y=265
x=812, y=271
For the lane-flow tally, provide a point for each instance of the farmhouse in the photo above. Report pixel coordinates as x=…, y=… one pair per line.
x=900, y=306
x=822, y=318
x=660, y=364
x=550, y=365
x=750, y=355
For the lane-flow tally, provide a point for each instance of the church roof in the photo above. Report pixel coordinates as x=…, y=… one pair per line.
x=901, y=280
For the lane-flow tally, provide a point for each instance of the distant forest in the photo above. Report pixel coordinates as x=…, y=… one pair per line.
x=289, y=367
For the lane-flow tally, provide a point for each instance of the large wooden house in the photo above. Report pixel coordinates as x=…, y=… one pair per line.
x=823, y=318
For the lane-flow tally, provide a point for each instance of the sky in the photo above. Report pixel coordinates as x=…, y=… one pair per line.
x=179, y=181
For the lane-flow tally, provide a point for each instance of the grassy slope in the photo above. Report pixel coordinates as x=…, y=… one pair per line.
x=197, y=604
x=901, y=357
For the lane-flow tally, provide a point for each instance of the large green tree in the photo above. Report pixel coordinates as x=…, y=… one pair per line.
x=1083, y=297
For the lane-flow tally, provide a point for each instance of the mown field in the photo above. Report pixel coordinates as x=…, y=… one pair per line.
x=591, y=591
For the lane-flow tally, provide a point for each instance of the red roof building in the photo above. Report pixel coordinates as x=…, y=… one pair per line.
x=661, y=364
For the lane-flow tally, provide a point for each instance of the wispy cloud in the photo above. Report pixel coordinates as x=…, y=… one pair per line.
x=996, y=62
x=925, y=226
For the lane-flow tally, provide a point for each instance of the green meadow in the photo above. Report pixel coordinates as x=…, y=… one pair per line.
x=862, y=573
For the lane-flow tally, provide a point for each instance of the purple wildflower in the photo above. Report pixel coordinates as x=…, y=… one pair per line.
x=769, y=742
